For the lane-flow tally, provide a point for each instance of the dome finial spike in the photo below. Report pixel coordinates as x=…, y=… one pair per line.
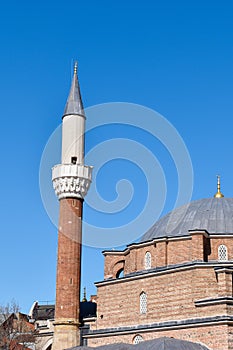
x=219, y=193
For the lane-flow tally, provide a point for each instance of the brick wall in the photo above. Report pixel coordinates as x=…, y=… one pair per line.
x=196, y=247
x=215, y=242
x=177, y=293
x=170, y=296
x=214, y=337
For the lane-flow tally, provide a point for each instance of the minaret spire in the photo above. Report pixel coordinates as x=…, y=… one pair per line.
x=71, y=181
x=74, y=104
x=84, y=295
x=219, y=193
x=75, y=67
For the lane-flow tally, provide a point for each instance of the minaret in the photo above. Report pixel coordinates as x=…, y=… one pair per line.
x=71, y=180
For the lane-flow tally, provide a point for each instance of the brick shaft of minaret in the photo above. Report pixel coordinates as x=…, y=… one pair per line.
x=68, y=274
x=69, y=258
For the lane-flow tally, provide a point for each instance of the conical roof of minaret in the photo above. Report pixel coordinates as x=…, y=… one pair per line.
x=74, y=104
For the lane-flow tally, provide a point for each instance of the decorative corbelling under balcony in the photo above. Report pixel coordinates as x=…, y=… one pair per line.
x=71, y=180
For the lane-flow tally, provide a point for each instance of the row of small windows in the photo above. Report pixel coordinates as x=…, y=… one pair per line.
x=222, y=256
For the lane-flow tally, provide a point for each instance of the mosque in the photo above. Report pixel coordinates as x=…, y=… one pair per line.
x=172, y=290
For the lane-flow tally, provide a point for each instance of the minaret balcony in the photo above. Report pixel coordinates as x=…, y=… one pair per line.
x=71, y=180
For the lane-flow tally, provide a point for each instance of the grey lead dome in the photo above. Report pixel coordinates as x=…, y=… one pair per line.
x=214, y=215
x=163, y=343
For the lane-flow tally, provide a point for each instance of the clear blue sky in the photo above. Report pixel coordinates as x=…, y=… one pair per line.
x=172, y=56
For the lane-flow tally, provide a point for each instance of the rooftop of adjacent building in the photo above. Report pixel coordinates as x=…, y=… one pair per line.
x=42, y=312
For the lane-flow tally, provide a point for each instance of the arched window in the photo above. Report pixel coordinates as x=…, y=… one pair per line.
x=137, y=339
x=147, y=260
x=120, y=273
x=118, y=269
x=143, y=303
x=222, y=253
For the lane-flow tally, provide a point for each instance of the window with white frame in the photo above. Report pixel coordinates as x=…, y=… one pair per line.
x=137, y=339
x=147, y=260
x=222, y=253
x=143, y=303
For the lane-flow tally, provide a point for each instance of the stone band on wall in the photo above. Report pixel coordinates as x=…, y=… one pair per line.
x=71, y=180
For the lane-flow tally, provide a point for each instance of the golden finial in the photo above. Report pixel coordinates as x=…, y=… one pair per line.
x=75, y=67
x=84, y=295
x=219, y=193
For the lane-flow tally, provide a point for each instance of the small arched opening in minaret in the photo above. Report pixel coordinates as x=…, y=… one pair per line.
x=73, y=160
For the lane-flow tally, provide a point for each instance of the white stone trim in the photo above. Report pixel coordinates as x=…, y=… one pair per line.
x=144, y=244
x=216, y=301
x=48, y=343
x=71, y=180
x=221, y=235
x=160, y=326
x=199, y=232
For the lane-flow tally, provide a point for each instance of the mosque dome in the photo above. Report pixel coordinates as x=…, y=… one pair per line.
x=214, y=215
x=155, y=344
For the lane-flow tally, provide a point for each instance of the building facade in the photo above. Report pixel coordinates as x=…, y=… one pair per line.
x=177, y=282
